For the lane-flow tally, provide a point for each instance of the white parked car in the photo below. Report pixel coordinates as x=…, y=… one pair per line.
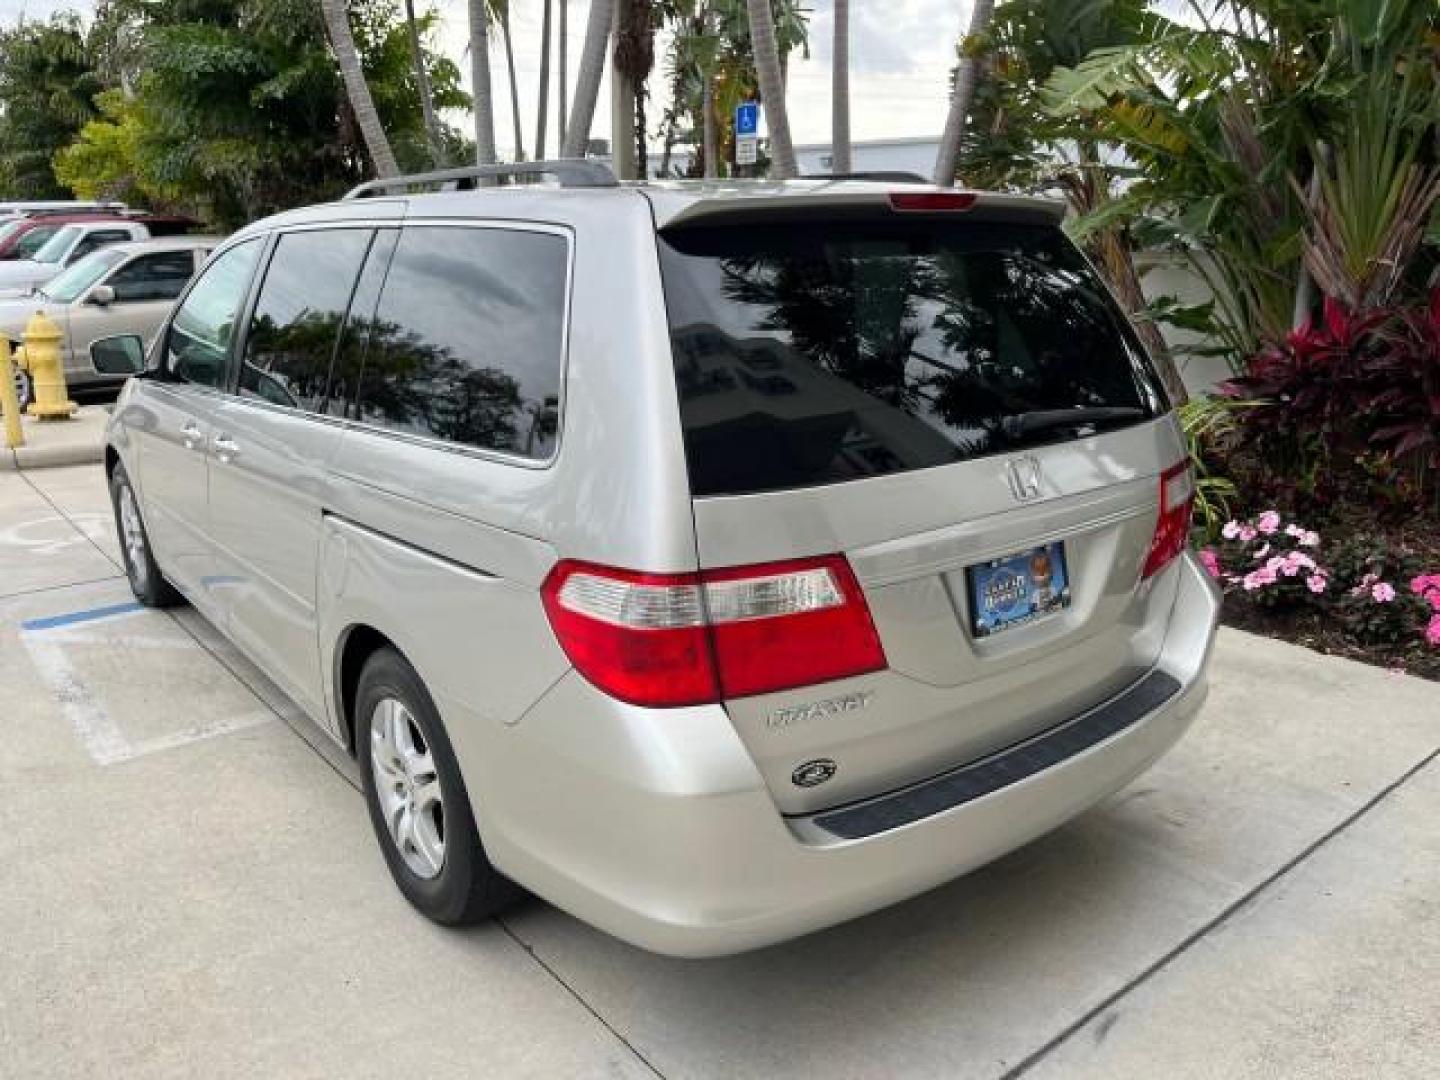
x=121, y=289
x=77, y=240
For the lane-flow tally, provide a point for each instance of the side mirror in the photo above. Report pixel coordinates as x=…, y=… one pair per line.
x=102, y=295
x=121, y=355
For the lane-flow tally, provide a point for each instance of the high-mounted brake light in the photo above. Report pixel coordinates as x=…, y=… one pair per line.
x=689, y=639
x=932, y=200
x=1172, y=527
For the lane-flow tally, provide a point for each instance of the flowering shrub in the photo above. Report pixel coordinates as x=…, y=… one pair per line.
x=1371, y=589
x=1271, y=561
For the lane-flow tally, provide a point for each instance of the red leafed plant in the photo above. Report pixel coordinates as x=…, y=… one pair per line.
x=1351, y=388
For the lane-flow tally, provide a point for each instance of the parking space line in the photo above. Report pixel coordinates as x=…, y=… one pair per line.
x=84, y=615
x=46, y=639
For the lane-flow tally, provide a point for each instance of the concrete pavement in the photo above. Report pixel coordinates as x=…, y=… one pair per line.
x=192, y=889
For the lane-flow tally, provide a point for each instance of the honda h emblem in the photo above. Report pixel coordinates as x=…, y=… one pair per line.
x=1024, y=478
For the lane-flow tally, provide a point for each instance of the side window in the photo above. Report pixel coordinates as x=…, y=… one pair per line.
x=204, y=324
x=161, y=276
x=466, y=343
x=33, y=241
x=298, y=314
x=95, y=241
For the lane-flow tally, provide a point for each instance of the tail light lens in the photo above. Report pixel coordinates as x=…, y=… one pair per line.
x=932, y=200
x=1172, y=528
x=688, y=639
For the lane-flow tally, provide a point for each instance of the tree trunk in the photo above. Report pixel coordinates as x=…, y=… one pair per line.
x=422, y=86
x=480, y=83
x=840, y=161
x=514, y=87
x=587, y=83
x=542, y=107
x=622, y=101
x=337, y=24
x=772, y=87
x=964, y=95
x=711, y=146
x=563, y=115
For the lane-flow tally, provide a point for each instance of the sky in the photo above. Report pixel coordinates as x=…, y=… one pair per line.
x=901, y=52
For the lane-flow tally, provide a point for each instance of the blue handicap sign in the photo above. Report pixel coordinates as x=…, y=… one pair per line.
x=747, y=118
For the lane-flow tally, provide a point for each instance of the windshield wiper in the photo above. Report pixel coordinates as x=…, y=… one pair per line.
x=1019, y=425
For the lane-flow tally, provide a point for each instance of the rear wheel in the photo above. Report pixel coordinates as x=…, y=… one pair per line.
x=146, y=581
x=418, y=804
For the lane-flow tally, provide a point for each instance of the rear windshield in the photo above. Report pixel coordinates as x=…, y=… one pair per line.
x=813, y=353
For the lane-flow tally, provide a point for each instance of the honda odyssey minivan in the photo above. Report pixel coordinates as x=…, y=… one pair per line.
x=717, y=561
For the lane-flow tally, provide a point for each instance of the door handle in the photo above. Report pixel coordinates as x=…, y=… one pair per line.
x=225, y=448
x=191, y=435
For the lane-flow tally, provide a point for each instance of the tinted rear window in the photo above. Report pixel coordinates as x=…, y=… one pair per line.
x=813, y=353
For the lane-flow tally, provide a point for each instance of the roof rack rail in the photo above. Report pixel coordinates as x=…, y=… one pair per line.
x=888, y=176
x=571, y=172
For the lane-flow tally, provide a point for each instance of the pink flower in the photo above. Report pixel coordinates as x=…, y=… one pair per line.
x=1383, y=592
x=1294, y=530
x=1309, y=539
x=1427, y=587
x=1258, y=579
x=1247, y=533
x=1365, y=583
x=1210, y=561
x=1316, y=583
x=1295, y=561
x=1432, y=632
x=1268, y=522
x=1230, y=530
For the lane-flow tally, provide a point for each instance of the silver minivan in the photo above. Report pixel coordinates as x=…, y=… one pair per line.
x=718, y=561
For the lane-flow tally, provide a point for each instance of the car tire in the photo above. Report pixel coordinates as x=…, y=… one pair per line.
x=418, y=803
x=146, y=581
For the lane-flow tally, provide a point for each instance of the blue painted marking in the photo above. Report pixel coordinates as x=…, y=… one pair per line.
x=88, y=615
x=747, y=118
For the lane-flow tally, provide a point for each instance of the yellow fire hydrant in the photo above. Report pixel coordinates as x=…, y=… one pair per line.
x=41, y=357
x=9, y=400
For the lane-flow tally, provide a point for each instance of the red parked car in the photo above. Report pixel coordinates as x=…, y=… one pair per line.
x=21, y=237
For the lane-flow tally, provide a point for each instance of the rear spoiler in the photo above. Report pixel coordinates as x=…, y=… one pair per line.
x=842, y=200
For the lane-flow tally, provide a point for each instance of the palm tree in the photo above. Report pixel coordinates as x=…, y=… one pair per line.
x=501, y=9
x=542, y=107
x=480, y=83
x=772, y=87
x=587, y=84
x=960, y=100
x=840, y=91
x=562, y=116
x=422, y=87
x=337, y=25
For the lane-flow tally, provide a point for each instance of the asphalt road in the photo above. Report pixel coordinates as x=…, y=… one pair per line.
x=191, y=889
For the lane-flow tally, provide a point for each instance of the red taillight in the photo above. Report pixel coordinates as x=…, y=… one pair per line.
x=932, y=200
x=688, y=639
x=1172, y=528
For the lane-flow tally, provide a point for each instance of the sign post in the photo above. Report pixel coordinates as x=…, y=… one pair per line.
x=747, y=133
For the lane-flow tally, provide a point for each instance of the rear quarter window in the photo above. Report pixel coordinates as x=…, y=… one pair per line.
x=818, y=352
x=466, y=342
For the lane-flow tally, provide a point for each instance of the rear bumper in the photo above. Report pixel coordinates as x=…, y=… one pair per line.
x=656, y=827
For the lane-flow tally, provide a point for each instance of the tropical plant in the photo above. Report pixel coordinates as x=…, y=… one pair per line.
x=772, y=87
x=433, y=135
x=47, y=86
x=342, y=40
x=840, y=91
x=480, y=85
x=587, y=81
x=973, y=50
x=542, y=108
x=231, y=109
x=1212, y=426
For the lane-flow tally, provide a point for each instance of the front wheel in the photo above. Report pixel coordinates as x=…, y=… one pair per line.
x=418, y=804
x=146, y=581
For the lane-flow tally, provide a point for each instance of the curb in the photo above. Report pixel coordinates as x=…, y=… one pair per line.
x=46, y=457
